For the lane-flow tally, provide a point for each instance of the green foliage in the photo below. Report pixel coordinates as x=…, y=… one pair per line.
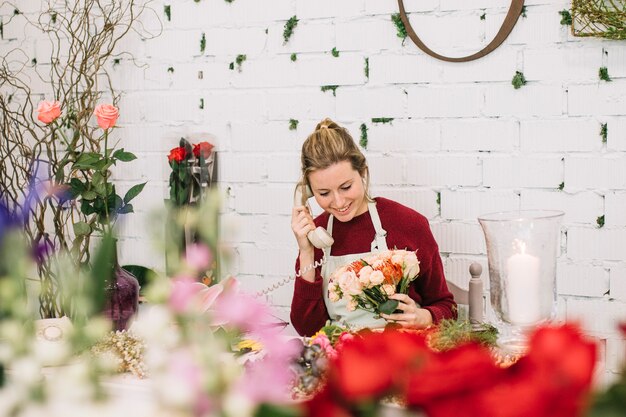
x=53, y=17
x=1, y=29
x=600, y=221
x=16, y=12
x=603, y=73
x=612, y=402
x=367, y=68
x=33, y=61
x=294, y=57
x=483, y=16
x=229, y=1
x=289, y=27
x=452, y=333
x=203, y=42
x=333, y=88
x=273, y=410
x=335, y=52
x=382, y=119
x=116, y=61
x=566, y=17
x=170, y=70
x=293, y=124
x=400, y=28
x=604, y=132
x=438, y=199
x=518, y=80
x=562, y=186
x=523, y=11
x=240, y=60
x=201, y=104
x=167, y=9
x=99, y=197
x=231, y=66
x=363, y=141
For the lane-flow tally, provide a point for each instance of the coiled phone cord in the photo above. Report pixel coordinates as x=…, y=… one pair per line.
x=290, y=278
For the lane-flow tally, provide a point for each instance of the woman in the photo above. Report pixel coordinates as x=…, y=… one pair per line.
x=337, y=173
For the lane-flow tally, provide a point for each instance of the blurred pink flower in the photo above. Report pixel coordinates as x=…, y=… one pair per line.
x=184, y=291
x=198, y=256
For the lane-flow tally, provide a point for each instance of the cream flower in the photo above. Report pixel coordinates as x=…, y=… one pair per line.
x=349, y=283
x=377, y=278
x=364, y=276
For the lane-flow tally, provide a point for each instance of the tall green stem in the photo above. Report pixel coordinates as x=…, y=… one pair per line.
x=104, y=175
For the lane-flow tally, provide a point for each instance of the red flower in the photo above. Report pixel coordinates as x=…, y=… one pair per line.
x=371, y=365
x=177, y=154
x=324, y=405
x=202, y=149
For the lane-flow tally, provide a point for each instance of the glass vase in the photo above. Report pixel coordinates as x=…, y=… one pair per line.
x=122, y=296
x=522, y=248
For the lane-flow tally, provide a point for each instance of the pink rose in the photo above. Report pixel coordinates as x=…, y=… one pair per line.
x=107, y=115
x=349, y=283
x=48, y=111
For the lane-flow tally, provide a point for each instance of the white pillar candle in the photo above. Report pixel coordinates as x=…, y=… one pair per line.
x=523, y=288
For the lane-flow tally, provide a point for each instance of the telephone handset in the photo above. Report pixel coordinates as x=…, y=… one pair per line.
x=320, y=238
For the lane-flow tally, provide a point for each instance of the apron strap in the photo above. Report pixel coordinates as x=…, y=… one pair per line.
x=380, y=241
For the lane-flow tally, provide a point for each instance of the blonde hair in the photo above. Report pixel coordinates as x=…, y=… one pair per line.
x=328, y=145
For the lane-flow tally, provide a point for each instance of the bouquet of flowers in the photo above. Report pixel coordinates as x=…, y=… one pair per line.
x=192, y=167
x=367, y=283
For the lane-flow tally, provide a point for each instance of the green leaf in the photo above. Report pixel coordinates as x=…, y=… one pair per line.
x=76, y=187
x=87, y=160
x=102, y=272
x=388, y=307
x=273, y=410
x=86, y=208
x=133, y=192
x=89, y=195
x=124, y=156
x=128, y=208
x=81, y=229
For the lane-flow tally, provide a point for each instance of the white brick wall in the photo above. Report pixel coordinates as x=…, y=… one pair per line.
x=460, y=130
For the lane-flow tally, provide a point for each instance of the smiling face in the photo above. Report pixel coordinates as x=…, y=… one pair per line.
x=339, y=190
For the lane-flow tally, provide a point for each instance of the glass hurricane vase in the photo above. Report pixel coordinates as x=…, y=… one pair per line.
x=522, y=249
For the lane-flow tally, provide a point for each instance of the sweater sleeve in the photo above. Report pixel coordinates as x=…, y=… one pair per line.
x=436, y=298
x=308, y=311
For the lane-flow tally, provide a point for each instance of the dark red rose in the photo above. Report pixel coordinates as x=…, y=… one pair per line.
x=177, y=154
x=202, y=149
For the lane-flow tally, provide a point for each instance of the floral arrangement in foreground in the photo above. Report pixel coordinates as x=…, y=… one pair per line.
x=368, y=282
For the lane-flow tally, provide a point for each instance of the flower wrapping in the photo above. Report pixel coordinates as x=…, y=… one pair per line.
x=368, y=282
x=190, y=165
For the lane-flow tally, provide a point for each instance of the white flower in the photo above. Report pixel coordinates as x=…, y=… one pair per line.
x=352, y=305
x=364, y=276
x=377, y=278
x=389, y=289
x=333, y=294
x=411, y=265
x=349, y=283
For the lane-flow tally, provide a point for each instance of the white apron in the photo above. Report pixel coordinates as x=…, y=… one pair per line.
x=337, y=311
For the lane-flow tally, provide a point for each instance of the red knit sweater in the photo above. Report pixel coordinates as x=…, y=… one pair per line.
x=406, y=229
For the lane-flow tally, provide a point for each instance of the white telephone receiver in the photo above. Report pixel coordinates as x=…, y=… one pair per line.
x=320, y=238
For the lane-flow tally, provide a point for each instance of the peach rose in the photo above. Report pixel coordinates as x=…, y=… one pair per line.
x=48, y=111
x=377, y=278
x=106, y=115
x=411, y=265
x=352, y=305
x=333, y=293
x=349, y=283
x=364, y=276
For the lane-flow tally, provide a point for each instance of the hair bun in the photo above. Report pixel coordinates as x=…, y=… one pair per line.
x=326, y=124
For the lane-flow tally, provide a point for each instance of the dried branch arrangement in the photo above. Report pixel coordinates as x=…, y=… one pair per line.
x=599, y=18
x=77, y=44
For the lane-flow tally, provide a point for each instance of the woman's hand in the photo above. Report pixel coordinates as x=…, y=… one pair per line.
x=411, y=316
x=301, y=224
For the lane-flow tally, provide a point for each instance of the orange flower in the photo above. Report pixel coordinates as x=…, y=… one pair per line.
x=392, y=272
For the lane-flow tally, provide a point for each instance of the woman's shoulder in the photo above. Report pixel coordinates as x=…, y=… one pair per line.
x=400, y=212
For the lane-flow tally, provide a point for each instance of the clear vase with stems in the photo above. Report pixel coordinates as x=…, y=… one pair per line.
x=522, y=249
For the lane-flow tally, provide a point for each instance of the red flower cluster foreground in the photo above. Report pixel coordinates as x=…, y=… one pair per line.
x=553, y=379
